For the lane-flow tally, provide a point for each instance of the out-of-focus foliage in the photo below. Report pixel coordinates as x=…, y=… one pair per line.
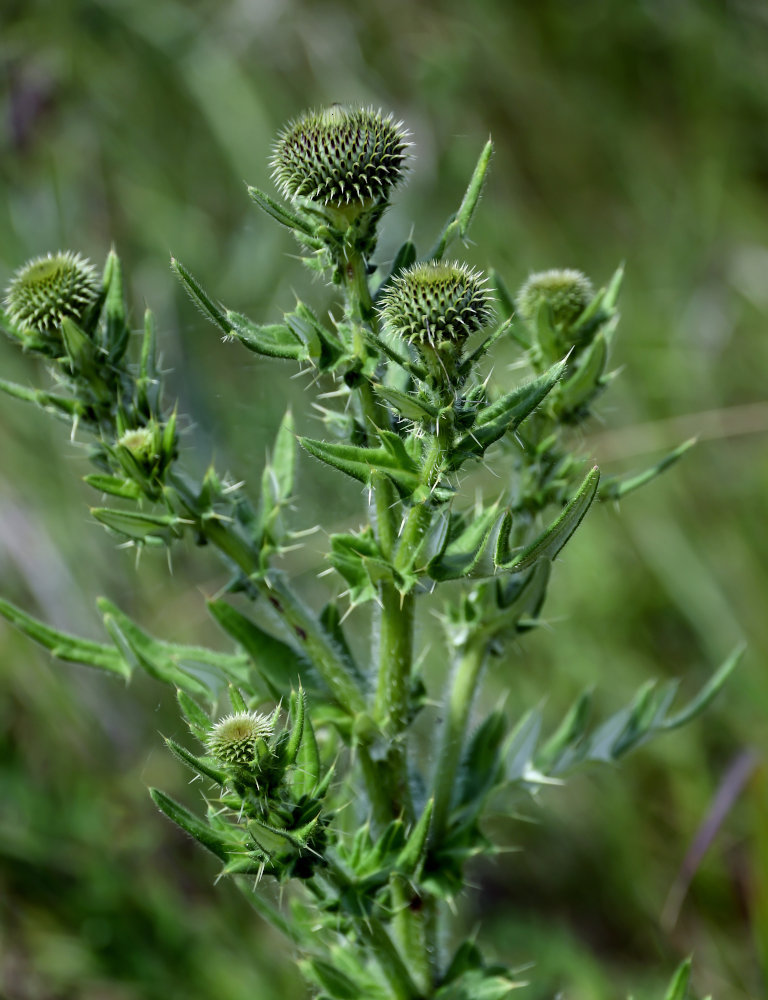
x=633, y=132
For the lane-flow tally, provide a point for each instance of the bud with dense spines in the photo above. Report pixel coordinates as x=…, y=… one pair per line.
x=567, y=292
x=340, y=157
x=435, y=302
x=239, y=739
x=48, y=289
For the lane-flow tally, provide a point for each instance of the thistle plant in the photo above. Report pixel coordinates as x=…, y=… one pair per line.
x=306, y=751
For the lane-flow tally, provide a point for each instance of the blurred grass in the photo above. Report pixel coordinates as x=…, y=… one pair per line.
x=628, y=132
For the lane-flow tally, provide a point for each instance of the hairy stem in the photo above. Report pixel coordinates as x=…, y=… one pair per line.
x=463, y=687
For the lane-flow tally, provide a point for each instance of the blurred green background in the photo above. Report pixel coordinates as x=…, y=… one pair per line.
x=634, y=132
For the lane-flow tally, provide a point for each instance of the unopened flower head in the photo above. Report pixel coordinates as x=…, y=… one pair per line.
x=436, y=303
x=140, y=441
x=47, y=289
x=568, y=293
x=340, y=156
x=235, y=739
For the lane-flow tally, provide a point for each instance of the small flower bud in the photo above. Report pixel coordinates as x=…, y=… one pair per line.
x=340, y=157
x=436, y=304
x=236, y=739
x=47, y=289
x=140, y=442
x=568, y=293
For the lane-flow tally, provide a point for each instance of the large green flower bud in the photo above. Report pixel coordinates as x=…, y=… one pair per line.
x=436, y=306
x=568, y=293
x=47, y=289
x=434, y=303
x=340, y=157
x=240, y=738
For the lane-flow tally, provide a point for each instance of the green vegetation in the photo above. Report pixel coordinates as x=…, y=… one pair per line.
x=630, y=133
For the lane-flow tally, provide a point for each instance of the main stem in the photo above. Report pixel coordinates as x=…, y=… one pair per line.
x=396, y=611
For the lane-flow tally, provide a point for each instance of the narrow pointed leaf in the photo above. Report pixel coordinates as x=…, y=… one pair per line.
x=298, y=711
x=360, y=463
x=553, y=538
x=281, y=666
x=198, y=721
x=139, y=527
x=198, y=764
x=458, y=225
x=64, y=646
x=614, y=488
x=204, y=302
x=280, y=213
x=274, y=341
x=413, y=407
x=47, y=400
x=192, y=824
x=503, y=415
x=678, y=987
x=412, y=855
x=465, y=549
x=707, y=694
x=114, y=486
x=151, y=655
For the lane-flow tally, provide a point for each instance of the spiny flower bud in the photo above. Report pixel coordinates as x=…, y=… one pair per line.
x=568, y=293
x=340, y=156
x=49, y=288
x=235, y=739
x=140, y=442
x=435, y=304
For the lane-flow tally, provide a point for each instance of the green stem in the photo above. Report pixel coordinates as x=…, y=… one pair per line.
x=463, y=687
x=376, y=936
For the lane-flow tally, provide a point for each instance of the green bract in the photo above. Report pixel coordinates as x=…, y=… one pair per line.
x=567, y=292
x=435, y=302
x=49, y=288
x=340, y=156
x=235, y=739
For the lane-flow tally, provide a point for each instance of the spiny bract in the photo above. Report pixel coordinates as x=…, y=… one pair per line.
x=49, y=288
x=435, y=302
x=235, y=738
x=568, y=293
x=340, y=156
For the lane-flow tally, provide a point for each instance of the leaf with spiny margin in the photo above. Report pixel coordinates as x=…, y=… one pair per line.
x=279, y=664
x=307, y=772
x=204, y=302
x=601, y=308
x=156, y=529
x=615, y=487
x=116, y=323
x=466, y=543
x=410, y=405
x=505, y=414
x=199, y=765
x=60, y=405
x=458, y=225
x=554, y=537
x=390, y=458
x=324, y=347
x=358, y=559
x=114, y=486
x=198, y=721
x=480, y=769
x=140, y=650
x=580, y=387
x=64, y=646
x=291, y=220
x=298, y=709
x=275, y=340
x=412, y=855
x=216, y=843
